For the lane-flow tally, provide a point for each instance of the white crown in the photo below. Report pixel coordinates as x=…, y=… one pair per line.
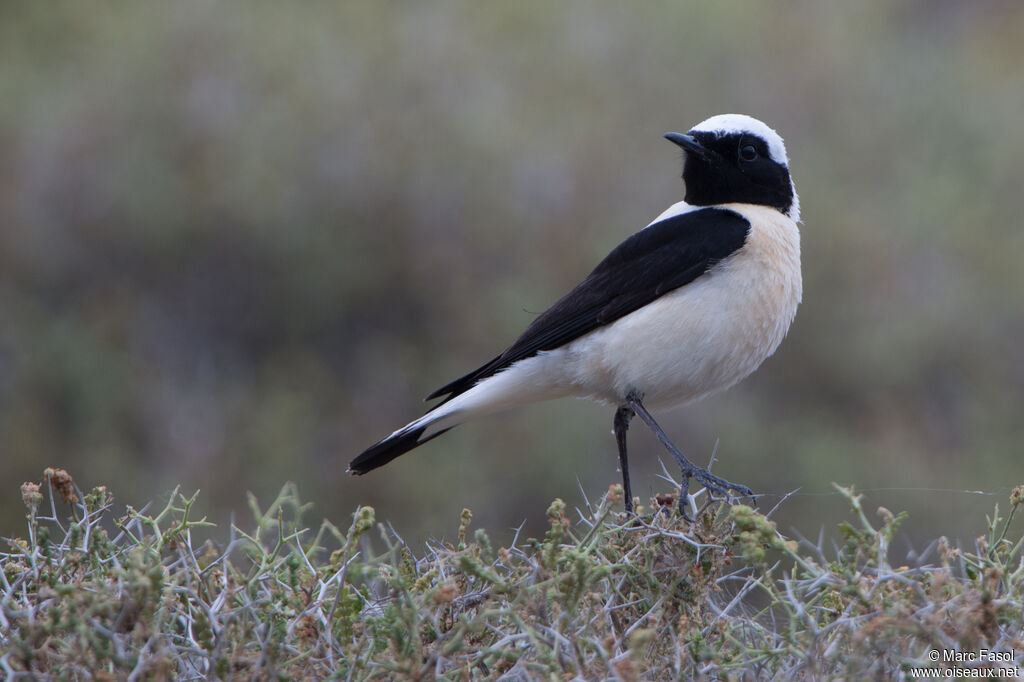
x=741, y=123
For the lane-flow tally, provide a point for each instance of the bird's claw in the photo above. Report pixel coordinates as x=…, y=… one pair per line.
x=713, y=484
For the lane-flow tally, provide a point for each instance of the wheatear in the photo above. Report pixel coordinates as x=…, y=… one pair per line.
x=687, y=306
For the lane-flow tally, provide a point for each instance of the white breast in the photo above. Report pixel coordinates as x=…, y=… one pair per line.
x=703, y=337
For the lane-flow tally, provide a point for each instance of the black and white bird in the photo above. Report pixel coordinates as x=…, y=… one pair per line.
x=687, y=306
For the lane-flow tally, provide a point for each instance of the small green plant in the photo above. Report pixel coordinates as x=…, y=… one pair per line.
x=93, y=594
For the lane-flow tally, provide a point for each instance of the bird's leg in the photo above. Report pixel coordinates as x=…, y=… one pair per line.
x=623, y=415
x=689, y=469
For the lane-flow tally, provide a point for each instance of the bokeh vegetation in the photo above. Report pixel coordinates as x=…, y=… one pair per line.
x=237, y=245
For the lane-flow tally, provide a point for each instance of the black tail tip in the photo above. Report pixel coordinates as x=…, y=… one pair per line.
x=381, y=453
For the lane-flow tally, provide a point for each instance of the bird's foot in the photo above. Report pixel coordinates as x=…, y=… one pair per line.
x=713, y=484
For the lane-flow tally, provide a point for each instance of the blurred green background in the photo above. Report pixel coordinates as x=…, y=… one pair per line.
x=240, y=242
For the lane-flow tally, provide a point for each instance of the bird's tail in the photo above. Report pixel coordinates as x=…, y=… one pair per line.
x=527, y=381
x=429, y=426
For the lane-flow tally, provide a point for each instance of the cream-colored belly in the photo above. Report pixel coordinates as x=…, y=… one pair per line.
x=704, y=336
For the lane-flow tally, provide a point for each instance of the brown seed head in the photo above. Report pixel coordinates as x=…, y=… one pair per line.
x=63, y=483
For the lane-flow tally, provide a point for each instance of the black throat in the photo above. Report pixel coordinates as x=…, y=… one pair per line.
x=719, y=176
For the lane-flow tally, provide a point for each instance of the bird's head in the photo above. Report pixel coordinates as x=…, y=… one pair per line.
x=737, y=158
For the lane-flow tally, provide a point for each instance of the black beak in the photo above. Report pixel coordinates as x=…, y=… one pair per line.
x=689, y=143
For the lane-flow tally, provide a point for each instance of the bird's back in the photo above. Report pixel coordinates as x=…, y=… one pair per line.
x=706, y=336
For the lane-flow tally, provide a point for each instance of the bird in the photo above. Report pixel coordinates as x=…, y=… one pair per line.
x=687, y=306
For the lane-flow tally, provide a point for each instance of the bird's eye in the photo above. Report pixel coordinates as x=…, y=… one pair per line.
x=748, y=153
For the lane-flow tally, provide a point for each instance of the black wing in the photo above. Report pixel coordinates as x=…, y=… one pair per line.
x=650, y=263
